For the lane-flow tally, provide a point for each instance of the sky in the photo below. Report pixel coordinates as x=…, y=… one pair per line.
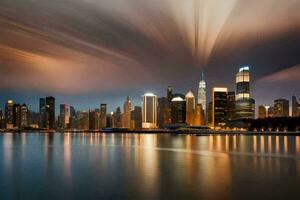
x=87, y=52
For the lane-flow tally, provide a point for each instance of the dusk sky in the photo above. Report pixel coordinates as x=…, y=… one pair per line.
x=87, y=52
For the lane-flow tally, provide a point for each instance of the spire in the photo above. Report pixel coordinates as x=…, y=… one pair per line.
x=202, y=76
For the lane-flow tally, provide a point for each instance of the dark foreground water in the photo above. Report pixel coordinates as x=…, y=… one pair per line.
x=146, y=166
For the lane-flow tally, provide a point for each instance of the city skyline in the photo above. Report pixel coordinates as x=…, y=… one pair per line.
x=84, y=53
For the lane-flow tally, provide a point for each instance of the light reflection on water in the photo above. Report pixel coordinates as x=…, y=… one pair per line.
x=147, y=166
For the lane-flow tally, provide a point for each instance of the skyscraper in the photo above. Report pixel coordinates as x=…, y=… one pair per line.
x=190, y=107
x=202, y=93
x=9, y=115
x=137, y=117
x=149, y=111
x=281, y=108
x=47, y=113
x=64, y=117
x=295, y=107
x=72, y=120
x=178, y=109
x=262, y=112
x=94, y=117
x=169, y=93
x=219, y=107
x=50, y=109
x=103, y=115
x=230, y=106
x=164, y=111
x=244, y=105
x=126, y=119
x=23, y=116
x=117, y=118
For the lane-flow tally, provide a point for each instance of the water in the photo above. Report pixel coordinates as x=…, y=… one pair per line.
x=148, y=166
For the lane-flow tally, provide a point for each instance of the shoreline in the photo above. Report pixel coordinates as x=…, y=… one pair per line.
x=163, y=131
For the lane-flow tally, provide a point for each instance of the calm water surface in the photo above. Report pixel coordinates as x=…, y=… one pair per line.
x=146, y=166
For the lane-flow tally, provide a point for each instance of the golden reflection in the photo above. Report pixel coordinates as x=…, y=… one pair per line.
x=67, y=157
x=285, y=144
x=277, y=144
x=262, y=144
x=270, y=144
x=297, y=145
x=8, y=151
x=255, y=144
x=234, y=142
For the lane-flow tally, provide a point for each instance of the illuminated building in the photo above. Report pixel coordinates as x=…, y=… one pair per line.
x=9, y=114
x=190, y=107
x=23, y=116
x=103, y=115
x=94, y=117
x=295, y=107
x=230, y=106
x=178, y=109
x=17, y=115
x=164, y=111
x=219, y=107
x=209, y=114
x=64, y=116
x=244, y=105
x=169, y=93
x=202, y=93
x=281, y=108
x=1, y=119
x=262, y=112
x=137, y=117
x=126, y=116
x=82, y=122
x=149, y=111
x=72, y=118
x=198, y=117
x=116, y=118
x=50, y=109
x=47, y=113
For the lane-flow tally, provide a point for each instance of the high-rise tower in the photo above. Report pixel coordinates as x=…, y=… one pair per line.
x=149, y=111
x=202, y=93
x=244, y=105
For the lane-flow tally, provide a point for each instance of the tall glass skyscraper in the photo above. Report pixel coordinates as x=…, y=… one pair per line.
x=202, y=93
x=149, y=111
x=244, y=105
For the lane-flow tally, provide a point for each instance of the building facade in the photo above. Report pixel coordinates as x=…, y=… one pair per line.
x=149, y=111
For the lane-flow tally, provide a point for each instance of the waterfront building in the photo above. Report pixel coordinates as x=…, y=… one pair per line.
x=82, y=120
x=198, y=117
x=72, y=120
x=126, y=116
x=262, y=112
x=209, y=114
x=9, y=114
x=64, y=116
x=23, y=116
x=47, y=112
x=230, y=106
x=103, y=115
x=178, y=109
x=202, y=93
x=295, y=107
x=244, y=105
x=50, y=109
x=281, y=108
x=137, y=117
x=169, y=93
x=149, y=111
x=219, y=107
x=117, y=118
x=94, y=117
x=164, y=111
x=190, y=107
